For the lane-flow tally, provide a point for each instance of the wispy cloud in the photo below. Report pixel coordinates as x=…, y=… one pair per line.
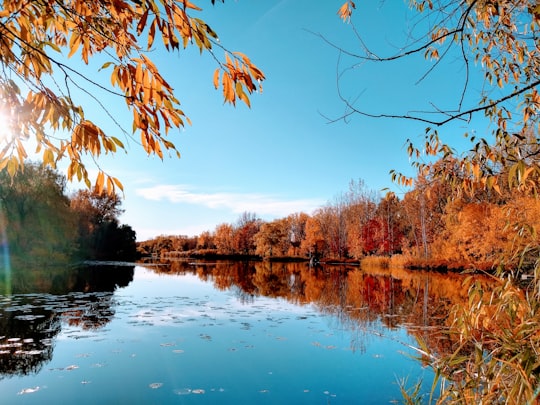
x=260, y=204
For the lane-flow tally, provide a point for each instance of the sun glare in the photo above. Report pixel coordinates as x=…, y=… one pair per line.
x=6, y=132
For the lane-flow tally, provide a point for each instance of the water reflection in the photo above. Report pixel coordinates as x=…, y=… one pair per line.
x=360, y=300
x=43, y=300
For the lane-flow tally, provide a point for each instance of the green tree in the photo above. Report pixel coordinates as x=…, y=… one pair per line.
x=100, y=236
x=39, y=79
x=38, y=222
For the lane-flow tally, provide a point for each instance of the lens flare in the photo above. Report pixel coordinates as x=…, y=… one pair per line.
x=5, y=262
x=6, y=124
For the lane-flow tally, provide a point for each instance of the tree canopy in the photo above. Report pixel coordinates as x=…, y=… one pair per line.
x=41, y=225
x=39, y=41
x=502, y=38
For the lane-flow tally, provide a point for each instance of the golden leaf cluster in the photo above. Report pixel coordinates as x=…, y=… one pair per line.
x=36, y=87
x=346, y=10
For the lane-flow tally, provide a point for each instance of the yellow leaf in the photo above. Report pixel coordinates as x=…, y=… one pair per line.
x=117, y=142
x=110, y=186
x=216, y=78
x=99, y=182
x=228, y=91
x=152, y=33
x=241, y=94
x=12, y=166
x=48, y=158
x=139, y=74
x=476, y=170
x=74, y=43
x=142, y=22
x=345, y=11
x=118, y=183
x=187, y=4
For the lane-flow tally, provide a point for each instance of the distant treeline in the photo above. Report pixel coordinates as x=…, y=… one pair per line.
x=41, y=225
x=429, y=227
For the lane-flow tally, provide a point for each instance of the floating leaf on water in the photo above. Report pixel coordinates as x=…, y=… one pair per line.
x=182, y=391
x=28, y=317
x=72, y=367
x=155, y=386
x=168, y=344
x=28, y=390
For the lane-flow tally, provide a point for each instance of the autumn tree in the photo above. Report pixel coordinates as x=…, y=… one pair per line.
x=389, y=212
x=273, y=238
x=361, y=205
x=42, y=45
x=223, y=239
x=423, y=209
x=498, y=39
x=482, y=235
x=205, y=241
x=245, y=229
x=314, y=243
x=326, y=232
x=297, y=231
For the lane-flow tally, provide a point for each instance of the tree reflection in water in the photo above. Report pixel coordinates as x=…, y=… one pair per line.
x=363, y=301
x=43, y=300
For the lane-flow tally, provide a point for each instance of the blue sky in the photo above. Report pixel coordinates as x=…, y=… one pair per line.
x=281, y=156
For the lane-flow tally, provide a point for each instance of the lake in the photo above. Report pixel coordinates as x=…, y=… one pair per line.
x=221, y=332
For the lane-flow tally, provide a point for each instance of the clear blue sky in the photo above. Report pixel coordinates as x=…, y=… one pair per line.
x=281, y=156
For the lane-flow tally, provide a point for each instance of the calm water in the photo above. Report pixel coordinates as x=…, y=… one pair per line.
x=217, y=333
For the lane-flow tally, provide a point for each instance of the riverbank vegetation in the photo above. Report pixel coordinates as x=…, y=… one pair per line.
x=429, y=227
x=492, y=344
x=42, y=225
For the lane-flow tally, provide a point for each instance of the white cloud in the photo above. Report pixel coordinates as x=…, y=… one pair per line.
x=236, y=202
